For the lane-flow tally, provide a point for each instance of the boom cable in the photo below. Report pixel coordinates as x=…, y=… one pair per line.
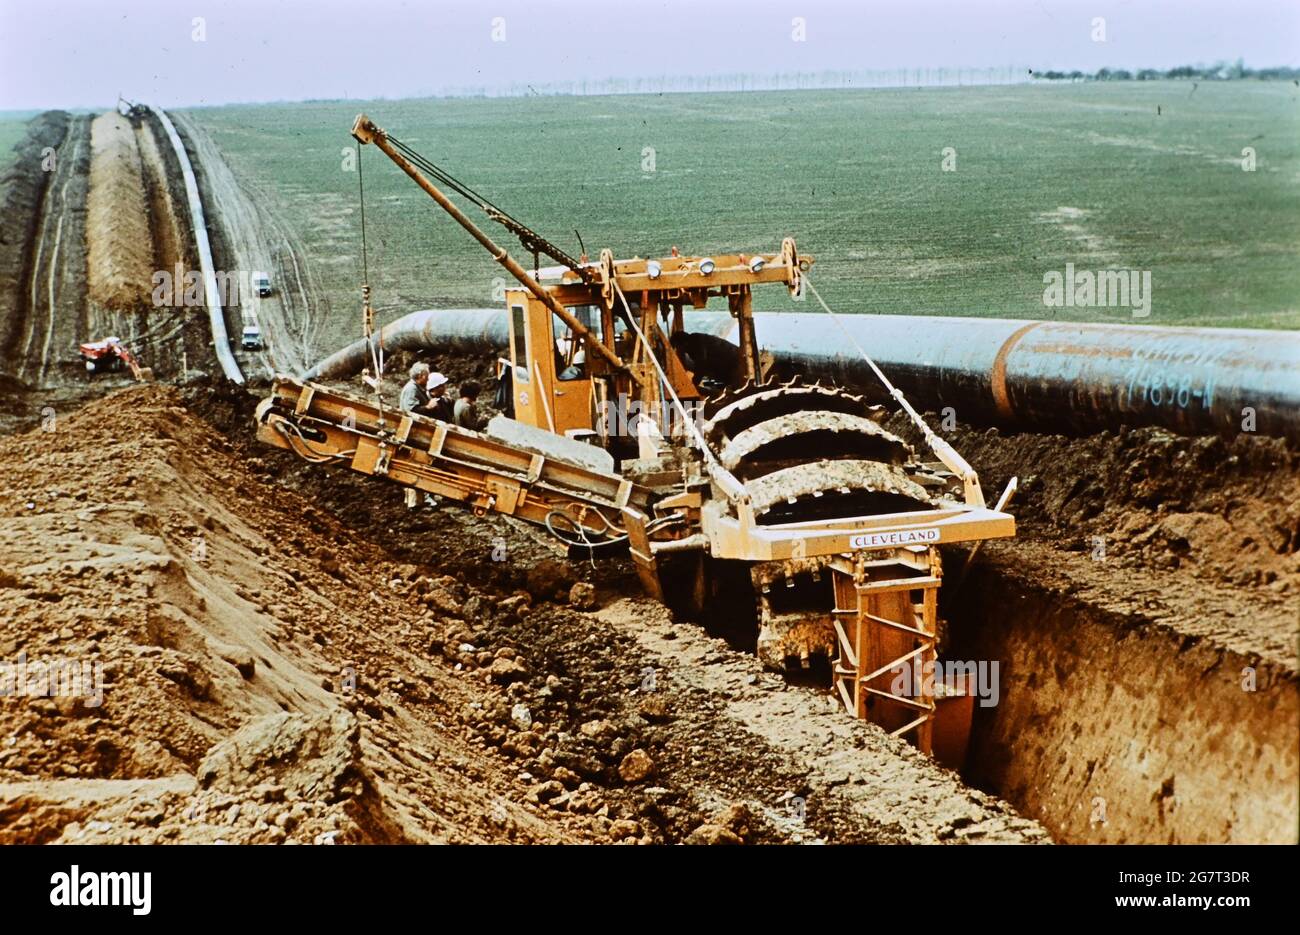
x=945, y=452
x=361, y=197
x=367, y=312
x=532, y=241
x=893, y=391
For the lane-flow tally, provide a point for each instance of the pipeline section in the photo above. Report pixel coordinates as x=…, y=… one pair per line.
x=447, y=331
x=1038, y=375
x=216, y=315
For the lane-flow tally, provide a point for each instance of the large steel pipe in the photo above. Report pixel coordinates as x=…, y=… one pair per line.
x=1053, y=376
x=1056, y=375
x=443, y=331
x=212, y=295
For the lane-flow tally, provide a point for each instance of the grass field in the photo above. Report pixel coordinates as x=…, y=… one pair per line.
x=1087, y=174
x=13, y=125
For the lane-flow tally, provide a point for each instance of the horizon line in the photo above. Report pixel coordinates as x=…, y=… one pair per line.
x=825, y=80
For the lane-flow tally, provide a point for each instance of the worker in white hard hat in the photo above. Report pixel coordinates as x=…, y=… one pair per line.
x=439, y=406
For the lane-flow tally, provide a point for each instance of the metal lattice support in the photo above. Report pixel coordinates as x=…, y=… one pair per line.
x=886, y=613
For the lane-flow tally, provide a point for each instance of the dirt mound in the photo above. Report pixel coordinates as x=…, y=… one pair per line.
x=1211, y=524
x=170, y=238
x=144, y=571
x=119, y=243
x=22, y=190
x=1228, y=510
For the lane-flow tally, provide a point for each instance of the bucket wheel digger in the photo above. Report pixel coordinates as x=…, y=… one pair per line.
x=809, y=453
x=788, y=501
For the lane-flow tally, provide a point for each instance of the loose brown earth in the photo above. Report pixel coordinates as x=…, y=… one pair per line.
x=291, y=655
x=428, y=692
x=118, y=240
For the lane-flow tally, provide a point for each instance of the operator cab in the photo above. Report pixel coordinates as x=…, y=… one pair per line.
x=633, y=310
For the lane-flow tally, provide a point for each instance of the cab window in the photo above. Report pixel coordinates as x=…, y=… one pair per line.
x=570, y=350
x=519, y=351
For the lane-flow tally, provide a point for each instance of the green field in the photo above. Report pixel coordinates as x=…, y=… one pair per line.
x=1082, y=173
x=13, y=126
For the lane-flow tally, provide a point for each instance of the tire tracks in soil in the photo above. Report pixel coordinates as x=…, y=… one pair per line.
x=257, y=241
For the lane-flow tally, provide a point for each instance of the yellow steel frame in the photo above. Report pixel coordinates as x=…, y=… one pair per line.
x=879, y=628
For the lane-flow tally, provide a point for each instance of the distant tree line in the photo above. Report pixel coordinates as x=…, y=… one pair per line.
x=1219, y=71
x=920, y=77
x=758, y=81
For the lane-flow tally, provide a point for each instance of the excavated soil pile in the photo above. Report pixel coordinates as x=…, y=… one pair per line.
x=282, y=664
x=1215, y=522
x=1226, y=511
x=22, y=189
x=119, y=243
x=171, y=238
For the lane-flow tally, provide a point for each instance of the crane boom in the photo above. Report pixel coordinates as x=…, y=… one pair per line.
x=365, y=131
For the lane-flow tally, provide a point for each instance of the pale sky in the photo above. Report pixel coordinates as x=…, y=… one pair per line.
x=82, y=53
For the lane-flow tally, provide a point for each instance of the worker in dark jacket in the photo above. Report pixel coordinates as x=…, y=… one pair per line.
x=465, y=410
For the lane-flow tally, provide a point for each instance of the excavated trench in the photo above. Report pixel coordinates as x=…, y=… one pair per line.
x=1144, y=624
x=1103, y=725
x=1133, y=647
x=1111, y=728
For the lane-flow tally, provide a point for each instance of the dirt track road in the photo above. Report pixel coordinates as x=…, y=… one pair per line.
x=252, y=239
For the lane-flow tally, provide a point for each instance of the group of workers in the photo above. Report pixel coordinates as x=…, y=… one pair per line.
x=712, y=362
x=425, y=394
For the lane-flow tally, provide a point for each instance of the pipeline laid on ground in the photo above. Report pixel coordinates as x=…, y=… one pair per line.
x=1041, y=375
x=449, y=330
x=216, y=312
